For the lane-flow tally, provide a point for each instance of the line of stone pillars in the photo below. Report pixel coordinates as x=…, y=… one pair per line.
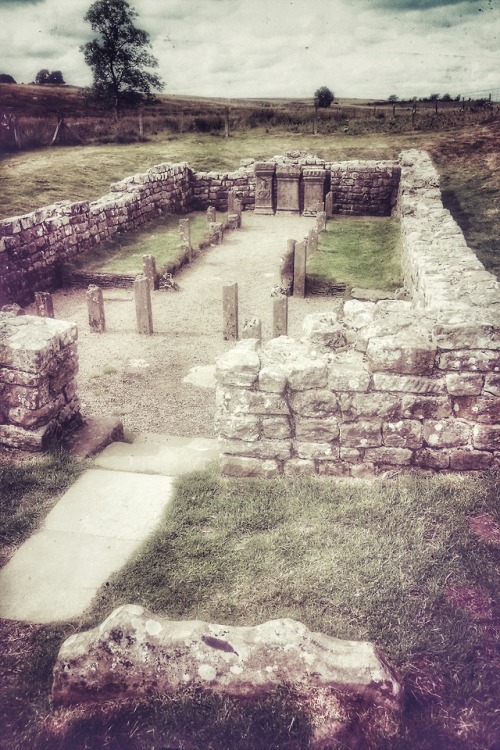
x=252, y=328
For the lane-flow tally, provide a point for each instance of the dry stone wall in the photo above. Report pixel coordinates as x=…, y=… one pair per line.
x=378, y=387
x=38, y=367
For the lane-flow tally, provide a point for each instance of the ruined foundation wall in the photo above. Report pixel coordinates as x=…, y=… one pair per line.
x=378, y=387
x=38, y=367
x=33, y=247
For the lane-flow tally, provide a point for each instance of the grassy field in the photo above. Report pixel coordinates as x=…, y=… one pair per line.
x=360, y=252
x=391, y=561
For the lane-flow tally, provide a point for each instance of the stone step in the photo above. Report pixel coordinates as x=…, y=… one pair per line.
x=153, y=453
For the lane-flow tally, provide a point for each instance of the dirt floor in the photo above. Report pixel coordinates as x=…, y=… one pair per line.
x=140, y=378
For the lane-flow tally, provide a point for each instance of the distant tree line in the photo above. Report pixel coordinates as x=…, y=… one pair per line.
x=45, y=76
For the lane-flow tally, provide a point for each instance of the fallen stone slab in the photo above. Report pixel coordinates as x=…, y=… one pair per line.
x=135, y=654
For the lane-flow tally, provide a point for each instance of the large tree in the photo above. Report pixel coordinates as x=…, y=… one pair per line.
x=323, y=97
x=119, y=58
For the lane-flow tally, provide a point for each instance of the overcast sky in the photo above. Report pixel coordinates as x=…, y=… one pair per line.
x=246, y=48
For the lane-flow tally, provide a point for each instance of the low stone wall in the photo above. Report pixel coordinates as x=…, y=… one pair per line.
x=33, y=247
x=364, y=188
x=377, y=387
x=38, y=367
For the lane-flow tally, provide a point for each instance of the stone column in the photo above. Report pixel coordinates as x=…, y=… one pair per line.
x=252, y=329
x=211, y=215
x=44, y=304
x=329, y=205
x=230, y=312
x=143, y=309
x=286, y=266
x=264, y=183
x=288, y=189
x=299, y=270
x=185, y=233
x=149, y=271
x=280, y=316
x=321, y=221
x=314, y=187
x=95, y=306
x=312, y=241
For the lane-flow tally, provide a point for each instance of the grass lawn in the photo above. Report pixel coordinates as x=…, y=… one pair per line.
x=160, y=238
x=360, y=252
x=393, y=561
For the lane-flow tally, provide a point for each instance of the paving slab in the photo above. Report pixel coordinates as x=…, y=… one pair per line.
x=91, y=533
x=159, y=454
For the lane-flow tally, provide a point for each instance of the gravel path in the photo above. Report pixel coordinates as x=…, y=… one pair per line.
x=141, y=378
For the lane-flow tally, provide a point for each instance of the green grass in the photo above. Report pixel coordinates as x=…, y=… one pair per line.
x=159, y=238
x=360, y=252
x=352, y=559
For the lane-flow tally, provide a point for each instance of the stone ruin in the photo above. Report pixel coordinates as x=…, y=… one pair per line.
x=371, y=387
x=376, y=388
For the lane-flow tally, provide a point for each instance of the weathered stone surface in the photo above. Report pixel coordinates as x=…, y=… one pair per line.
x=125, y=657
x=361, y=434
x=358, y=314
x=252, y=402
x=238, y=367
x=484, y=409
x=240, y=466
x=252, y=329
x=236, y=426
x=273, y=378
x=324, y=330
x=276, y=428
x=491, y=384
x=472, y=360
x=466, y=336
x=408, y=383
x=446, y=433
x=314, y=403
x=364, y=406
x=467, y=460
x=404, y=434
x=313, y=449
x=383, y=455
x=405, y=353
x=319, y=430
x=432, y=459
x=464, y=384
x=486, y=437
x=348, y=371
x=305, y=374
x=276, y=449
x=425, y=407
x=299, y=467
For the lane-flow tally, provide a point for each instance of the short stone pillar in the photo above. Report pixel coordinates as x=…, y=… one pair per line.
x=44, y=304
x=312, y=241
x=264, y=187
x=280, y=316
x=149, y=271
x=230, y=312
x=95, y=307
x=314, y=187
x=288, y=189
x=252, y=329
x=185, y=233
x=211, y=215
x=286, y=267
x=329, y=205
x=299, y=270
x=143, y=311
x=321, y=221
x=38, y=368
x=215, y=233
x=233, y=221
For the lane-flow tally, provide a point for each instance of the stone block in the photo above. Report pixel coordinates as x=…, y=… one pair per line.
x=239, y=466
x=348, y=372
x=275, y=449
x=467, y=336
x=287, y=189
x=273, y=378
x=391, y=456
x=276, y=428
x=404, y=353
x=255, y=402
x=358, y=314
x=486, y=437
x=264, y=183
x=13, y=436
x=361, y=434
x=431, y=459
x=446, y=433
x=323, y=330
x=299, y=467
x=321, y=429
x=239, y=426
x=471, y=360
x=32, y=419
x=369, y=405
x=239, y=367
x=491, y=384
x=485, y=409
x=305, y=374
x=314, y=403
x=312, y=450
x=408, y=383
x=470, y=460
x=299, y=270
x=252, y=329
x=425, y=407
x=280, y=316
x=351, y=455
x=95, y=309
x=464, y=384
x=230, y=312
x=332, y=468
x=27, y=398
x=404, y=434
x=143, y=310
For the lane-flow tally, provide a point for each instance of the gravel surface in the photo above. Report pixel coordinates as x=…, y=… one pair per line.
x=140, y=378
